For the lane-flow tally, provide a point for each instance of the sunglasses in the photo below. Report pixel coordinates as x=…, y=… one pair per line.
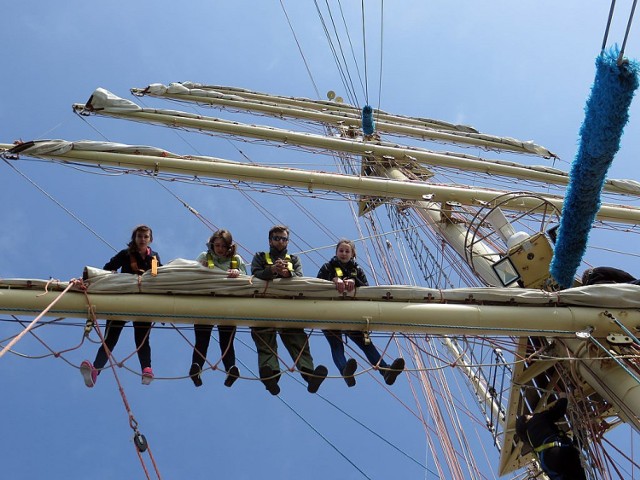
x=277, y=238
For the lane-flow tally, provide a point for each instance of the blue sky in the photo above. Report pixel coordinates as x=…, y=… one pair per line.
x=519, y=69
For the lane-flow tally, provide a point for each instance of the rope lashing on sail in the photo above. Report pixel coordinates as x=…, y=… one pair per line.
x=606, y=115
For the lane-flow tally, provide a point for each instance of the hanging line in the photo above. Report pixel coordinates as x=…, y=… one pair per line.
x=73, y=215
x=344, y=60
x=353, y=53
x=381, y=50
x=343, y=72
x=606, y=30
x=55, y=353
x=364, y=52
x=626, y=34
x=206, y=222
x=139, y=440
x=295, y=37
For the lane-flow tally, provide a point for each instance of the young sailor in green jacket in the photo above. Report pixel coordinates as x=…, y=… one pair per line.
x=220, y=254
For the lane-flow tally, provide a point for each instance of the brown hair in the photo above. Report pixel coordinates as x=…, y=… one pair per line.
x=139, y=228
x=227, y=238
x=346, y=241
x=278, y=228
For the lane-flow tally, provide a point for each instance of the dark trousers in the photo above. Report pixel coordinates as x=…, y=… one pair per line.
x=562, y=463
x=295, y=341
x=203, y=337
x=334, y=337
x=141, y=331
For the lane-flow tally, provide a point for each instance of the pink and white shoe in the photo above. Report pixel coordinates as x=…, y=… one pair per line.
x=89, y=373
x=147, y=375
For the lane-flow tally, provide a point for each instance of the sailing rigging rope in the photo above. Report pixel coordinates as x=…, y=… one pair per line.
x=626, y=34
x=236, y=186
x=348, y=85
x=54, y=353
x=29, y=327
x=326, y=400
x=140, y=443
x=344, y=60
x=304, y=59
x=69, y=212
x=381, y=55
x=606, y=30
x=364, y=54
x=353, y=54
x=317, y=432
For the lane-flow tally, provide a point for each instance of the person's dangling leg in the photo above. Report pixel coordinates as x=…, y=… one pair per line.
x=389, y=372
x=346, y=367
x=297, y=344
x=141, y=333
x=268, y=364
x=199, y=356
x=201, y=347
x=370, y=350
x=334, y=337
x=90, y=371
x=227, y=333
x=112, y=333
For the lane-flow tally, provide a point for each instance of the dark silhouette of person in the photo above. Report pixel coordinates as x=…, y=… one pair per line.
x=558, y=456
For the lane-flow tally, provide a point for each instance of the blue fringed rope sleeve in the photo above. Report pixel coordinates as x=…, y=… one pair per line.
x=606, y=114
x=368, y=125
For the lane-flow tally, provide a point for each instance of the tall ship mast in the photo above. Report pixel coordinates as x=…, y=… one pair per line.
x=456, y=229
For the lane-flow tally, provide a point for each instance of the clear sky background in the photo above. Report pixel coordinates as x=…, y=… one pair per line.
x=520, y=69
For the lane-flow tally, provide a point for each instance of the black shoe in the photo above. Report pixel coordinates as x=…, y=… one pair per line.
x=394, y=370
x=232, y=375
x=316, y=378
x=270, y=380
x=348, y=371
x=194, y=373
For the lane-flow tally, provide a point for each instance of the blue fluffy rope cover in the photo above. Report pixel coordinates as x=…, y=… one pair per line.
x=606, y=114
x=368, y=125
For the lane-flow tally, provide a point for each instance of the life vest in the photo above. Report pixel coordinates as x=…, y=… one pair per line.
x=234, y=261
x=340, y=273
x=287, y=257
x=136, y=268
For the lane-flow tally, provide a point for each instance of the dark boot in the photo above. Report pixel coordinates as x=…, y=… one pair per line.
x=194, y=373
x=394, y=370
x=315, y=378
x=348, y=371
x=232, y=375
x=270, y=379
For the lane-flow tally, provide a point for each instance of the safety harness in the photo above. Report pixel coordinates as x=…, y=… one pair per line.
x=287, y=257
x=545, y=446
x=136, y=268
x=339, y=273
x=210, y=264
